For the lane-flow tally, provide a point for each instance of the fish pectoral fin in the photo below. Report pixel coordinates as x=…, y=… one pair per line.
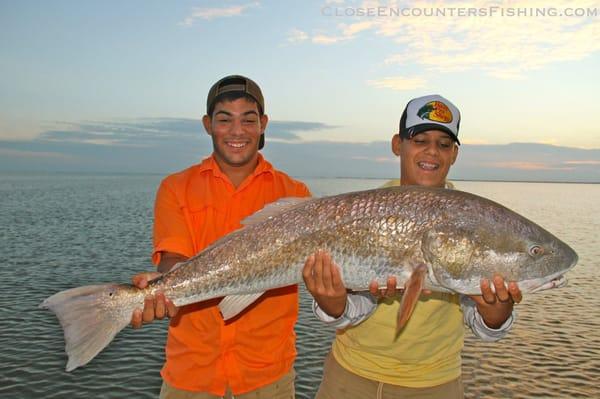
x=410, y=297
x=232, y=305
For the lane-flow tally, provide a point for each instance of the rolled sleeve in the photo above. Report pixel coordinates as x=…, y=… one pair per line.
x=475, y=322
x=171, y=232
x=359, y=307
x=170, y=244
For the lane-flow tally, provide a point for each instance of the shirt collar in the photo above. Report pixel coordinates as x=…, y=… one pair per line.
x=210, y=164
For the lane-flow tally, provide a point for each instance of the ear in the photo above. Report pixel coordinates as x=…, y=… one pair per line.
x=207, y=124
x=264, y=120
x=454, y=154
x=396, y=144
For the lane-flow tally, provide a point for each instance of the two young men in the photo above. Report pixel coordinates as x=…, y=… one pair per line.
x=253, y=356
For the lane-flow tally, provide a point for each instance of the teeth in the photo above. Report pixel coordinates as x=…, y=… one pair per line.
x=428, y=166
x=236, y=145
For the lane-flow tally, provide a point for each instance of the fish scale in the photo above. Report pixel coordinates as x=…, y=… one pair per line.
x=460, y=238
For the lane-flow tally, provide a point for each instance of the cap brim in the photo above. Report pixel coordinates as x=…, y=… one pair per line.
x=431, y=126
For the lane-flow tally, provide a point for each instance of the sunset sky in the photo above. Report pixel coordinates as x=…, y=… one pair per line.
x=77, y=74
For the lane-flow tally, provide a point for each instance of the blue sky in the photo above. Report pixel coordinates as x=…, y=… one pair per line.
x=120, y=76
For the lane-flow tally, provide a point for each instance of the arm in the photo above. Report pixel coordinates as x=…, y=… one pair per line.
x=172, y=244
x=332, y=303
x=359, y=307
x=324, y=282
x=474, y=320
x=490, y=315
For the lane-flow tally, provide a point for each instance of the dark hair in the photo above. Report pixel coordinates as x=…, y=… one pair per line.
x=232, y=96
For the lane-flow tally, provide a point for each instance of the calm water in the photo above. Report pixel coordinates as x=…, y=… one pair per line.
x=61, y=231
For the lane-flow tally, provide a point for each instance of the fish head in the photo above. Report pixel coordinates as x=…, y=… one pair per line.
x=495, y=240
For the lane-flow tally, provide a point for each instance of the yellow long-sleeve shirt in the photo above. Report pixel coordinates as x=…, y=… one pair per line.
x=425, y=354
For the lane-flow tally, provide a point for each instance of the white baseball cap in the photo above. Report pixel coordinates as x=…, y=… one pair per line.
x=432, y=112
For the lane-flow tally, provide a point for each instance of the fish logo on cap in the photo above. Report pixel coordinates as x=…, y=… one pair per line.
x=435, y=111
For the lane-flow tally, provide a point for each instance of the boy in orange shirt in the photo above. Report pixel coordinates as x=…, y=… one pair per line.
x=253, y=355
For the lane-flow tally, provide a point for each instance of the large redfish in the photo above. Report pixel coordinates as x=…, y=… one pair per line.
x=449, y=239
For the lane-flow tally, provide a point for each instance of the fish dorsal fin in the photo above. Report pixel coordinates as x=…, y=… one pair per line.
x=274, y=209
x=269, y=210
x=232, y=305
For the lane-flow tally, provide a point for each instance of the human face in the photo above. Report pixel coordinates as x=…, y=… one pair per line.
x=235, y=128
x=426, y=158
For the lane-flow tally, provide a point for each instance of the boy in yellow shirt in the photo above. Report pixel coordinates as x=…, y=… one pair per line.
x=368, y=359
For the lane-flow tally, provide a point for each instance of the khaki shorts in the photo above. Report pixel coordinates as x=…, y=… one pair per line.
x=280, y=389
x=340, y=383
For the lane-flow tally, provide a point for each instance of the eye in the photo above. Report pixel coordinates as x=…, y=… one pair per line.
x=536, y=250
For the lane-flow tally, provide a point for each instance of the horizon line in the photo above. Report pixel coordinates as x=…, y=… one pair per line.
x=100, y=173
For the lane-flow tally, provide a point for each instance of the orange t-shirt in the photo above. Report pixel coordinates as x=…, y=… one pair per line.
x=194, y=208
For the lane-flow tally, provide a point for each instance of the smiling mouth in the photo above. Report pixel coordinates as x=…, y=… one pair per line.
x=236, y=145
x=428, y=166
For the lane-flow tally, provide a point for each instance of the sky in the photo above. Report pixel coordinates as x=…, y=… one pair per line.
x=121, y=86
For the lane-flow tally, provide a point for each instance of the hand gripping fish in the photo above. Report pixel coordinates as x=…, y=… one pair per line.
x=438, y=239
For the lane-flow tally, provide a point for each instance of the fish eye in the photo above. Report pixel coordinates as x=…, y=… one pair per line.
x=536, y=250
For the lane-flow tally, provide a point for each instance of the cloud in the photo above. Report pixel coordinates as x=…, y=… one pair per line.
x=325, y=39
x=163, y=145
x=350, y=30
x=7, y=152
x=583, y=162
x=524, y=165
x=287, y=130
x=398, y=83
x=149, y=132
x=378, y=159
x=154, y=145
x=297, y=36
x=504, y=47
x=518, y=161
x=347, y=32
x=527, y=162
x=216, y=12
x=138, y=132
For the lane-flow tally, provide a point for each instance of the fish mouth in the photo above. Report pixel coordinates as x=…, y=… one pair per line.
x=557, y=282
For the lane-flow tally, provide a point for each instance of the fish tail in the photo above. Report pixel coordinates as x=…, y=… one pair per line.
x=410, y=297
x=90, y=316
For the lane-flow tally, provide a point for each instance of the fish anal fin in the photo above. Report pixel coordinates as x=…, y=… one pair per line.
x=232, y=305
x=410, y=297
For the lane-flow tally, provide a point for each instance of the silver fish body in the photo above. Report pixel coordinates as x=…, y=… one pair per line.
x=371, y=235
